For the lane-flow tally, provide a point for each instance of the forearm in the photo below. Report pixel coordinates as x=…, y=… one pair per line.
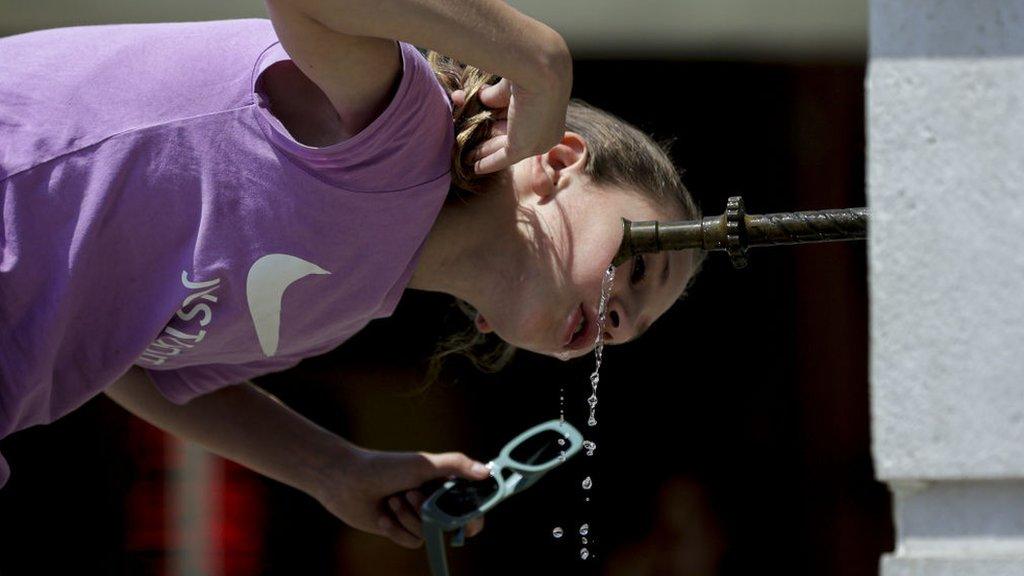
x=244, y=424
x=488, y=34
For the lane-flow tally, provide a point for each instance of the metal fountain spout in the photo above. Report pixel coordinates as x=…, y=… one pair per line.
x=735, y=231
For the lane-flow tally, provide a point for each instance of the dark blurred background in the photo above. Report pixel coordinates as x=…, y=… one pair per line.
x=733, y=438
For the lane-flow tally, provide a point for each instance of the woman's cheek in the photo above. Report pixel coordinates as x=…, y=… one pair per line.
x=533, y=330
x=590, y=268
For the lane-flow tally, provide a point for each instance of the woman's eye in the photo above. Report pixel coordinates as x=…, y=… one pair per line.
x=639, y=269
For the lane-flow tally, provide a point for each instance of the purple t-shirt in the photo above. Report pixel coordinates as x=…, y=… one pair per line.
x=156, y=213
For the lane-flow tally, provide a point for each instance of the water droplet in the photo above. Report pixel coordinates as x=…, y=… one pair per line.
x=602, y=309
x=584, y=529
x=561, y=404
x=557, y=532
x=583, y=540
x=561, y=441
x=587, y=483
x=588, y=499
x=561, y=457
x=584, y=554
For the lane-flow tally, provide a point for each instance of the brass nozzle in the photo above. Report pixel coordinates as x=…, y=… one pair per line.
x=734, y=231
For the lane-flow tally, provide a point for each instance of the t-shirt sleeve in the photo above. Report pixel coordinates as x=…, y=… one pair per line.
x=183, y=384
x=408, y=144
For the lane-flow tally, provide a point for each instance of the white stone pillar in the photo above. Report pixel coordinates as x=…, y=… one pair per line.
x=946, y=243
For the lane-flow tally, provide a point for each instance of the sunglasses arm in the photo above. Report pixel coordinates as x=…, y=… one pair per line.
x=434, y=537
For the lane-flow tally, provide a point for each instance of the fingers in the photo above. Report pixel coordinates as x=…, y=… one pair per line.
x=497, y=141
x=459, y=99
x=407, y=515
x=454, y=464
x=406, y=527
x=397, y=533
x=499, y=128
x=496, y=160
x=446, y=464
x=474, y=527
x=498, y=95
x=415, y=498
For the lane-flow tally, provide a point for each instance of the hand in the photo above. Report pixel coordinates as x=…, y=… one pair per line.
x=529, y=123
x=377, y=492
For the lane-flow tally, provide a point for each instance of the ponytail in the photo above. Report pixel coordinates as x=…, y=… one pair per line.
x=473, y=121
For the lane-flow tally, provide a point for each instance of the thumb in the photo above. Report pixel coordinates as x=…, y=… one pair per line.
x=457, y=464
x=497, y=96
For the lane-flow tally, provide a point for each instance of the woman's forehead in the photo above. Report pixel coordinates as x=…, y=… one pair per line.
x=652, y=208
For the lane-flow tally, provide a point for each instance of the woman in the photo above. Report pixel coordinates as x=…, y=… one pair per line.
x=188, y=206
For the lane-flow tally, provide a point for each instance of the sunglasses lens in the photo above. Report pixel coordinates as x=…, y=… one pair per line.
x=466, y=496
x=540, y=448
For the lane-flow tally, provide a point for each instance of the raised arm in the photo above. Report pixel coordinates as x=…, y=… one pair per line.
x=347, y=48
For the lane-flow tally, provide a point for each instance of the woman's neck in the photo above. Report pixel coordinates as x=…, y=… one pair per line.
x=474, y=247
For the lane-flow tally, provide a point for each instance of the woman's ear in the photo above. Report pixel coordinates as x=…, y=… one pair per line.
x=481, y=324
x=557, y=163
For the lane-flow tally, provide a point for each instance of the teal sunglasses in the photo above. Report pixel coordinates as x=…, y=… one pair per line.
x=522, y=462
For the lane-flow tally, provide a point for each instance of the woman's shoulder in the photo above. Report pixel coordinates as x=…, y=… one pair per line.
x=408, y=143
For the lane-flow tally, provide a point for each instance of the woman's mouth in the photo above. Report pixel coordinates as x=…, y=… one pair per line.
x=579, y=330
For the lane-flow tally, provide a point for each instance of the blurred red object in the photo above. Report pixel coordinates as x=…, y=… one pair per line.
x=150, y=541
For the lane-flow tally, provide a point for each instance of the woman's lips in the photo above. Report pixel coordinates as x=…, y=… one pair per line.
x=570, y=325
x=586, y=336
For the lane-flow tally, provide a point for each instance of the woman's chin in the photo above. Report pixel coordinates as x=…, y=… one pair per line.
x=559, y=353
x=544, y=349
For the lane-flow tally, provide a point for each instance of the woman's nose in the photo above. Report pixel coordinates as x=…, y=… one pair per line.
x=617, y=326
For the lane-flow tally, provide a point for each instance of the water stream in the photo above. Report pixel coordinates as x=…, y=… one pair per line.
x=602, y=309
x=595, y=378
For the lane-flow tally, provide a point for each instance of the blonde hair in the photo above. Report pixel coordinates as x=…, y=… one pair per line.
x=618, y=154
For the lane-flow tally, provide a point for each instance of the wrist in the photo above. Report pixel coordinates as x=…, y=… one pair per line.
x=330, y=467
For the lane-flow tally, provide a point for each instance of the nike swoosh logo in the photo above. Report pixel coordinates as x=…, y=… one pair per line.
x=264, y=287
